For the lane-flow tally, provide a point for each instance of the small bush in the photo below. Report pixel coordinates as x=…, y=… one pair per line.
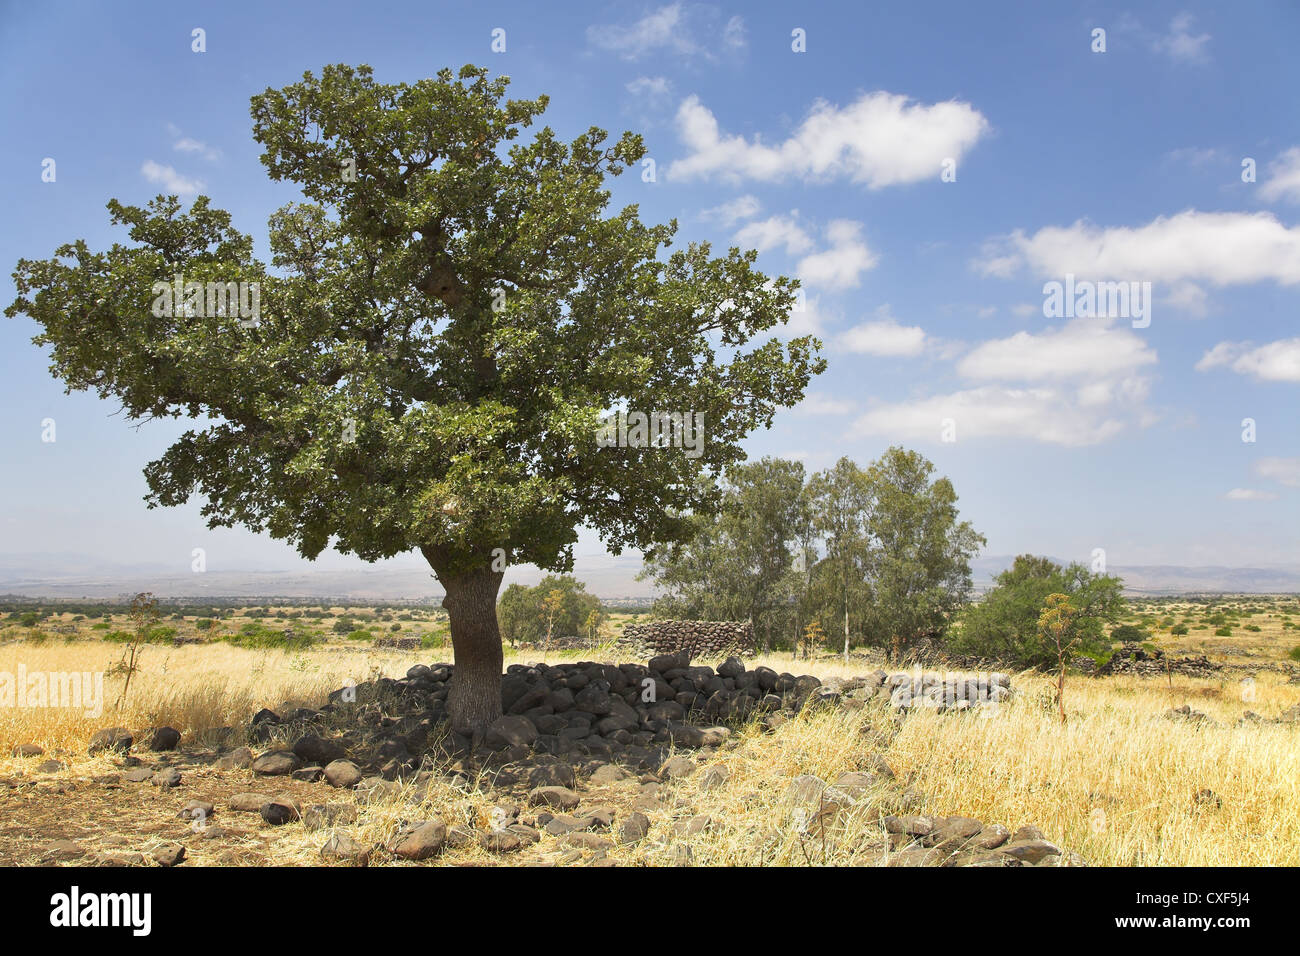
x=1294, y=654
x=361, y=635
x=1223, y=632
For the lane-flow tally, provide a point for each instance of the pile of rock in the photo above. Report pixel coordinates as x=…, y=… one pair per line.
x=399, y=643
x=947, y=691
x=1134, y=659
x=707, y=640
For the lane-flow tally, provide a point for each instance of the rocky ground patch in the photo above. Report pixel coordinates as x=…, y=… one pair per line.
x=591, y=763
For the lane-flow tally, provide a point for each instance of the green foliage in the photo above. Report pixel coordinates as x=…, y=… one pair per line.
x=154, y=635
x=258, y=637
x=1178, y=630
x=1294, y=653
x=1127, y=633
x=391, y=397
x=1223, y=632
x=1004, y=625
x=738, y=565
x=895, y=564
x=361, y=635
x=29, y=619
x=344, y=625
x=204, y=624
x=522, y=613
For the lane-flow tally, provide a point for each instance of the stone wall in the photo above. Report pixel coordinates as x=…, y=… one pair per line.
x=1132, y=659
x=699, y=639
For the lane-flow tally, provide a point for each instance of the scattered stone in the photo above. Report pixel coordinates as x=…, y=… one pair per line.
x=49, y=766
x=164, y=738
x=197, y=810
x=279, y=810
x=343, y=774
x=249, y=802
x=111, y=739
x=62, y=850
x=634, y=828
x=169, y=854
x=277, y=763
x=341, y=846
x=166, y=778
x=1030, y=851
x=235, y=760
x=420, y=841
x=27, y=750
x=561, y=798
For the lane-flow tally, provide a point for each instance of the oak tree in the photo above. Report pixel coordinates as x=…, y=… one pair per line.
x=448, y=313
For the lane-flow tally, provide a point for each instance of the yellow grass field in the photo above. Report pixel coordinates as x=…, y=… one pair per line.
x=1118, y=783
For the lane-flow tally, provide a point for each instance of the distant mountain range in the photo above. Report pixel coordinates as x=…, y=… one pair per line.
x=72, y=576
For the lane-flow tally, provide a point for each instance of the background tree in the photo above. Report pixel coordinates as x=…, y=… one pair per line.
x=1004, y=624
x=559, y=605
x=736, y=564
x=841, y=499
x=919, y=566
x=552, y=604
x=446, y=319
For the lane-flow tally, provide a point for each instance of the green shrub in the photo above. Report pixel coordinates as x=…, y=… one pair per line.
x=344, y=625
x=204, y=624
x=361, y=635
x=1223, y=632
x=265, y=638
x=1178, y=630
x=100, y=626
x=1294, y=654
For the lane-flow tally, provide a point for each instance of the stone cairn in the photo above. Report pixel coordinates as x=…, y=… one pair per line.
x=567, y=731
x=707, y=640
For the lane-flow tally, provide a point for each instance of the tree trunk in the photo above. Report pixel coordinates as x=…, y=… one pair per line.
x=474, y=700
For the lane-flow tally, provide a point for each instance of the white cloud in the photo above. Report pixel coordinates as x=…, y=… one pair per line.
x=885, y=337
x=819, y=403
x=1083, y=348
x=1273, y=362
x=775, y=231
x=1189, y=297
x=677, y=29
x=731, y=212
x=1283, y=178
x=1249, y=494
x=1180, y=43
x=881, y=139
x=652, y=86
x=1285, y=471
x=1075, y=386
x=1224, y=248
x=992, y=411
x=840, y=266
x=186, y=144
x=167, y=177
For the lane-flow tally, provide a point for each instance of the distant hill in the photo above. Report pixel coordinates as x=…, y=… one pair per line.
x=613, y=579
x=1170, y=578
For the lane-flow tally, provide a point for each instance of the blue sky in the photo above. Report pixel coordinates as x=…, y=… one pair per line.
x=1125, y=165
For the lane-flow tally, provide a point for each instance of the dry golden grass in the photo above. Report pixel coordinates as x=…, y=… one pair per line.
x=1117, y=783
